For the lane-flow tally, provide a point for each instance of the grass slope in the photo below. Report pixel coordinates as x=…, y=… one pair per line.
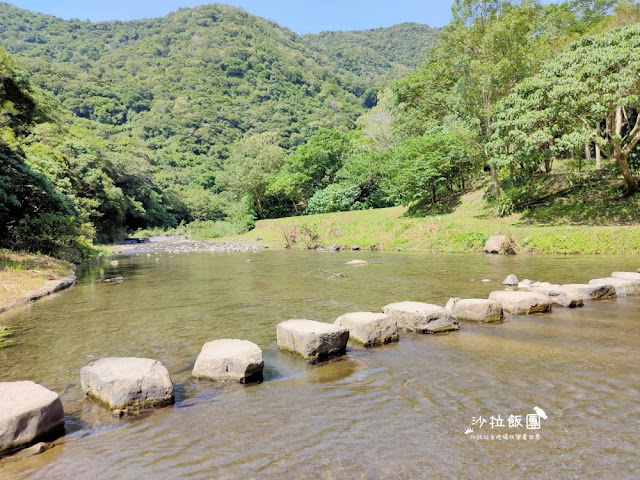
x=464, y=230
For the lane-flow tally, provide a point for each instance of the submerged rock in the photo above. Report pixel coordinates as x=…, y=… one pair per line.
x=500, y=244
x=477, y=310
x=111, y=280
x=313, y=341
x=28, y=412
x=122, y=382
x=369, y=329
x=522, y=303
x=356, y=263
x=421, y=317
x=230, y=360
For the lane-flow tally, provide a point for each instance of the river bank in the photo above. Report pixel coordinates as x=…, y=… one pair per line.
x=26, y=277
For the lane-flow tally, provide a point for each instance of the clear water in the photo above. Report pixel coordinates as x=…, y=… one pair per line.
x=399, y=411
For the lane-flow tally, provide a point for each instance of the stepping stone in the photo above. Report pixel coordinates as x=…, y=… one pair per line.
x=633, y=276
x=230, y=360
x=369, y=329
x=560, y=296
x=313, y=341
x=476, y=310
x=623, y=287
x=521, y=303
x=127, y=382
x=29, y=413
x=510, y=281
x=590, y=292
x=421, y=317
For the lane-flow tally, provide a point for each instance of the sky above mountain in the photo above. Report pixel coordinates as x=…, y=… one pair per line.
x=302, y=16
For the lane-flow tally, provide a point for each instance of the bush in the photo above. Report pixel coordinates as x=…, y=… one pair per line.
x=334, y=198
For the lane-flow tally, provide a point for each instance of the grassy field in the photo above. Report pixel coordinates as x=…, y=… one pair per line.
x=465, y=229
x=21, y=273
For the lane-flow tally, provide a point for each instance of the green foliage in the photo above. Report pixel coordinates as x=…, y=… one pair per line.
x=311, y=167
x=201, y=121
x=423, y=168
x=589, y=93
x=159, y=103
x=334, y=198
x=377, y=55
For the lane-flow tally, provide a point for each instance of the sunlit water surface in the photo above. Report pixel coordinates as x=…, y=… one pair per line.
x=398, y=411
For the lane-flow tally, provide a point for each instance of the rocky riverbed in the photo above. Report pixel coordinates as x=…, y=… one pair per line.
x=181, y=244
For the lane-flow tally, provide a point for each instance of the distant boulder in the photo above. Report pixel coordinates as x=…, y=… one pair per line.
x=500, y=244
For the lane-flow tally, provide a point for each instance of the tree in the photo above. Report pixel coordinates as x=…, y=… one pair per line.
x=589, y=93
x=312, y=166
x=424, y=167
x=481, y=55
x=253, y=160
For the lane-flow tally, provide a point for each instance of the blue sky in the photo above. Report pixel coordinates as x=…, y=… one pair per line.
x=302, y=16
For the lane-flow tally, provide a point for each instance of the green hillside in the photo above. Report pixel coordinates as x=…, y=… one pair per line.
x=377, y=55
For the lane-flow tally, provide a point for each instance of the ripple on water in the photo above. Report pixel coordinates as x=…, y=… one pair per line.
x=399, y=411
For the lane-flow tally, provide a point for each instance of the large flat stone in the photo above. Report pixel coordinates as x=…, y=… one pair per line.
x=633, y=276
x=128, y=382
x=521, y=303
x=560, y=296
x=623, y=287
x=28, y=413
x=590, y=292
x=421, y=317
x=313, y=341
x=478, y=310
x=229, y=360
x=369, y=329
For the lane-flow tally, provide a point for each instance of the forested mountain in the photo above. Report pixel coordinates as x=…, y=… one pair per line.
x=377, y=55
x=171, y=95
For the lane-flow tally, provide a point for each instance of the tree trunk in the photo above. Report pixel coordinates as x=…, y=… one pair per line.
x=632, y=183
x=547, y=165
x=433, y=194
x=587, y=157
x=494, y=179
x=598, y=160
x=492, y=168
x=621, y=154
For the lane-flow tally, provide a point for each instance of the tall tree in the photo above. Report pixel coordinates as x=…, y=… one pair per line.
x=590, y=92
x=252, y=161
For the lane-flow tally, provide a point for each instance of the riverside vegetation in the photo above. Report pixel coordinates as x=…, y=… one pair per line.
x=210, y=119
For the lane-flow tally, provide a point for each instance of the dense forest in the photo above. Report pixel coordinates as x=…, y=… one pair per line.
x=213, y=115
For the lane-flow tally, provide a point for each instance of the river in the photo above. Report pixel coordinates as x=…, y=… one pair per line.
x=398, y=411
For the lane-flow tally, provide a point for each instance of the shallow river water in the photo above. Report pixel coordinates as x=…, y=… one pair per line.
x=399, y=411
